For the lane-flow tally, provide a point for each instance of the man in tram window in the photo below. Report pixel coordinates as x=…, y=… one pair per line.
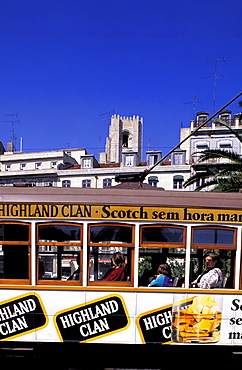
x=118, y=271
x=212, y=277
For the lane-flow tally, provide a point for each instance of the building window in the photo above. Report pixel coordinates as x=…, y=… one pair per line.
x=8, y=167
x=86, y=163
x=178, y=158
x=107, y=182
x=86, y=183
x=178, y=181
x=201, y=118
x=200, y=182
x=66, y=183
x=225, y=145
x=129, y=160
x=53, y=164
x=22, y=166
x=38, y=165
x=153, y=180
x=153, y=159
x=201, y=147
x=225, y=117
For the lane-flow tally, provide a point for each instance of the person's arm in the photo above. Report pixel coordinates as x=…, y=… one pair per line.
x=158, y=281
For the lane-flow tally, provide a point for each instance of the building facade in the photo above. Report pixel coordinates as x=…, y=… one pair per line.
x=123, y=151
x=214, y=135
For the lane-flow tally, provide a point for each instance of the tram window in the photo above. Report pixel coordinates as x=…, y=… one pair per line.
x=111, y=254
x=58, y=262
x=159, y=234
x=213, y=236
x=14, y=232
x=161, y=244
x=220, y=241
x=110, y=233
x=14, y=252
x=58, y=233
x=104, y=266
x=59, y=253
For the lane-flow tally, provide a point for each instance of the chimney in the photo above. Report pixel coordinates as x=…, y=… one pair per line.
x=10, y=147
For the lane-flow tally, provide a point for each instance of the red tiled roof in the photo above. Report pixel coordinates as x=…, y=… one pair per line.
x=136, y=186
x=109, y=165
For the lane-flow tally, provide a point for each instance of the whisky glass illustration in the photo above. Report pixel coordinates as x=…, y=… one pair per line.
x=198, y=322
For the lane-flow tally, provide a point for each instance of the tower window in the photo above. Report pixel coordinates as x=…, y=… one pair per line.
x=125, y=139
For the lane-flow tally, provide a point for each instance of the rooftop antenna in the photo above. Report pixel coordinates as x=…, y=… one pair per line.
x=215, y=76
x=107, y=114
x=194, y=103
x=13, y=121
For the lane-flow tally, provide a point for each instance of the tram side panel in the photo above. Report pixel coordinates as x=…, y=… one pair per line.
x=89, y=316
x=143, y=317
x=162, y=317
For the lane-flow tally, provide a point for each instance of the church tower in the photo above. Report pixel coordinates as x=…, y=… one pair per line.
x=125, y=137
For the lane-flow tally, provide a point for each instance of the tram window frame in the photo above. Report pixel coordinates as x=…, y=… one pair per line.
x=200, y=249
x=216, y=245
x=166, y=245
x=59, y=253
x=114, y=244
x=15, y=244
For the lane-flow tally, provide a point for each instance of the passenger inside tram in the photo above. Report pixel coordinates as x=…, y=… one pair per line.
x=117, y=272
x=212, y=276
x=163, y=277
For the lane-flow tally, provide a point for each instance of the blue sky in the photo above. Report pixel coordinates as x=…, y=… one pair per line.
x=64, y=63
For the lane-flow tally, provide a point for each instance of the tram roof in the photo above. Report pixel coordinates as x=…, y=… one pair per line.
x=121, y=196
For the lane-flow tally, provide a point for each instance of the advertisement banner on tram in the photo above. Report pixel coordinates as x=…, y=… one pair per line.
x=161, y=317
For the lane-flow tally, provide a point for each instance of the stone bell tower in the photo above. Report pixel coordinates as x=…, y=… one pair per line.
x=125, y=135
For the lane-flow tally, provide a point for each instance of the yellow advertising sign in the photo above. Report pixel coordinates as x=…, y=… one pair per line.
x=119, y=212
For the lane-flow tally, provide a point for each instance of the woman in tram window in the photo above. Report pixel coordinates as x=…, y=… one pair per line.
x=212, y=277
x=118, y=270
x=163, y=277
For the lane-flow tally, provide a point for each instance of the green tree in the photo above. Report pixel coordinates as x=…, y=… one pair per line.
x=224, y=176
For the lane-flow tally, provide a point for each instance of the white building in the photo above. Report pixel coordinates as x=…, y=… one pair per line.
x=211, y=136
x=77, y=168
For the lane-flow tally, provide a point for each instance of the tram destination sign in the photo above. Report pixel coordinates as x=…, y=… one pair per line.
x=92, y=320
x=119, y=212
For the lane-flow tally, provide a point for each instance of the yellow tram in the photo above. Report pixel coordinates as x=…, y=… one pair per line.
x=57, y=248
